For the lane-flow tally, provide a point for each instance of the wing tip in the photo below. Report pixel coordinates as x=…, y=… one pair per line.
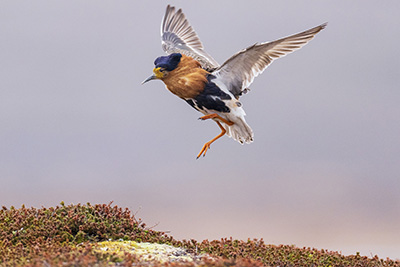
x=323, y=25
x=175, y=21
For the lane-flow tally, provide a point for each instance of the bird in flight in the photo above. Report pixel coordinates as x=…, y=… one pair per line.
x=189, y=72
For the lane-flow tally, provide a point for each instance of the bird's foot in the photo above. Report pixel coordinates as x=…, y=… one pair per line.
x=203, y=151
x=216, y=116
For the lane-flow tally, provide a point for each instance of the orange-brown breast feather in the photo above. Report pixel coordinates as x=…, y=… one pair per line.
x=187, y=80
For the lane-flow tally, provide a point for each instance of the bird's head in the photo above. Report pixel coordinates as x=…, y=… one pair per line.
x=163, y=65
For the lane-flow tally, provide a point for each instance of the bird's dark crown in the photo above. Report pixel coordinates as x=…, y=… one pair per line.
x=169, y=62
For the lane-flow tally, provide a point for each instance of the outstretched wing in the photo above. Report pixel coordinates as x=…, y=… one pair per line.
x=239, y=71
x=177, y=36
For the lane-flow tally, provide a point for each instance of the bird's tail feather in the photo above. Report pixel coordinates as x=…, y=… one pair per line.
x=240, y=131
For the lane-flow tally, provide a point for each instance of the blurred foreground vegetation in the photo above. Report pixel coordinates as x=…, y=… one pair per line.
x=68, y=235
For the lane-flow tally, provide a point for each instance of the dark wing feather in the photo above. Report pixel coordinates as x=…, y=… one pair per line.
x=177, y=36
x=239, y=71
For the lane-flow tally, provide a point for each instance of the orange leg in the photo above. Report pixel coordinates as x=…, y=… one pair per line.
x=216, y=116
x=208, y=144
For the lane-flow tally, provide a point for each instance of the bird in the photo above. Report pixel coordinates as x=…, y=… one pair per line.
x=190, y=73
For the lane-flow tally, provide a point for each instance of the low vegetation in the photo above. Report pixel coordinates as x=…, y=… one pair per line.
x=74, y=235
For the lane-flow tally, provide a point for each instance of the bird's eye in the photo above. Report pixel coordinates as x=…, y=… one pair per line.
x=162, y=70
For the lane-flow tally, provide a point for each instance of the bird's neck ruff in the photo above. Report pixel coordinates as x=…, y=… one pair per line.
x=187, y=80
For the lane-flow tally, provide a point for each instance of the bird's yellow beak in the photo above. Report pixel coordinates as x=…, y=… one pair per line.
x=157, y=75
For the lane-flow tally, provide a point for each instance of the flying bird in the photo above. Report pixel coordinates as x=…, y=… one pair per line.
x=189, y=72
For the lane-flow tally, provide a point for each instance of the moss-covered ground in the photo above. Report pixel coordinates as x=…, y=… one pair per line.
x=74, y=235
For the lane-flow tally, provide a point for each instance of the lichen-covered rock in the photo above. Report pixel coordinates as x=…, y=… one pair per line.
x=151, y=252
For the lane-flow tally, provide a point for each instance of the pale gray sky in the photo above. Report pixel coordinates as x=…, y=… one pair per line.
x=323, y=171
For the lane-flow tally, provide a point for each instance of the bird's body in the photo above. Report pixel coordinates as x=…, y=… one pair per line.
x=187, y=80
x=213, y=89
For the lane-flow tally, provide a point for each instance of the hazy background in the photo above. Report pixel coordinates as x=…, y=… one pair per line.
x=323, y=171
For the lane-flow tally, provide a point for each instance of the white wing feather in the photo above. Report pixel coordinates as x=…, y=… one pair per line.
x=239, y=71
x=177, y=36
